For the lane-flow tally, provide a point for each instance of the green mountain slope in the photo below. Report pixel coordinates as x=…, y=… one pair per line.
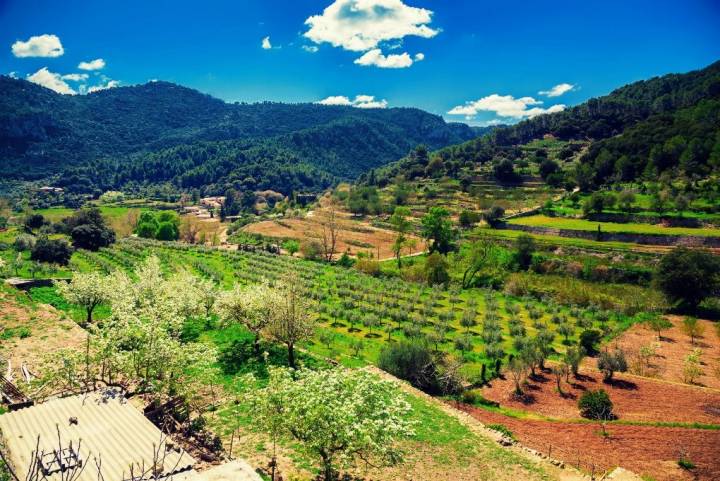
x=665, y=124
x=160, y=132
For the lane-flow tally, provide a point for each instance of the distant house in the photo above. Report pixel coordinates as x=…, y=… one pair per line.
x=50, y=190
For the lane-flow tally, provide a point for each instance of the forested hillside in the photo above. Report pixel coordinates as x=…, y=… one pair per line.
x=665, y=124
x=161, y=132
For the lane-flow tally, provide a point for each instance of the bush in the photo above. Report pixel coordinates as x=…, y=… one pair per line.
x=493, y=216
x=311, y=250
x=414, y=362
x=367, y=266
x=436, y=269
x=468, y=218
x=34, y=221
x=524, y=250
x=92, y=237
x=589, y=339
x=596, y=405
x=501, y=428
x=56, y=251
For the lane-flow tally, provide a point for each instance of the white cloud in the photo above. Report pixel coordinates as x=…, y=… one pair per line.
x=51, y=80
x=505, y=106
x=266, y=45
x=96, y=64
x=107, y=85
x=75, y=77
x=419, y=57
x=360, y=25
x=310, y=48
x=557, y=90
x=376, y=58
x=13, y=74
x=370, y=26
x=360, y=101
x=39, y=46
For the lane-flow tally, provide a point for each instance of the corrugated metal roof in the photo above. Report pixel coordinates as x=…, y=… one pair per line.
x=110, y=429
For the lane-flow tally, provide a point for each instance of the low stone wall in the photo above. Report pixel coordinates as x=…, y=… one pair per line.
x=645, y=219
x=647, y=239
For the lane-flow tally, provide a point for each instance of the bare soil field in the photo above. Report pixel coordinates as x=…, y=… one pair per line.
x=646, y=450
x=354, y=234
x=634, y=398
x=47, y=331
x=668, y=362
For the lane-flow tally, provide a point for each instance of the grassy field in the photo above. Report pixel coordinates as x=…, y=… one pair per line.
x=630, y=228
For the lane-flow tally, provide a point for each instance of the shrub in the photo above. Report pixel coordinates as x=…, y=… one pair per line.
x=34, y=221
x=493, y=216
x=588, y=339
x=92, y=237
x=685, y=463
x=596, y=405
x=524, y=250
x=436, y=269
x=311, y=250
x=414, y=362
x=501, y=428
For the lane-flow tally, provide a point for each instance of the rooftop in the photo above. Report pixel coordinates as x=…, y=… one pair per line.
x=104, y=427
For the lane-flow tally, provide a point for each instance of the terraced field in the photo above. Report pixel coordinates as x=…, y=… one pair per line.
x=611, y=227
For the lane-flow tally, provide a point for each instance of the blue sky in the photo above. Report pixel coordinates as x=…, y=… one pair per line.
x=484, y=61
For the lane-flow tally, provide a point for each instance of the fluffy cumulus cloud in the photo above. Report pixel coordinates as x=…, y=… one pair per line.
x=265, y=44
x=75, y=77
x=557, y=90
x=39, y=46
x=376, y=58
x=505, y=106
x=51, y=80
x=360, y=101
x=366, y=25
x=96, y=64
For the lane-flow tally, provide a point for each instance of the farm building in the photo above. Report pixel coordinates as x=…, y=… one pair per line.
x=71, y=438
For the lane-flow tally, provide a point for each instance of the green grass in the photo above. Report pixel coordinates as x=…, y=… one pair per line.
x=629, y=228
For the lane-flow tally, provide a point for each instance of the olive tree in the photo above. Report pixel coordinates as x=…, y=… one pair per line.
x=340, y=415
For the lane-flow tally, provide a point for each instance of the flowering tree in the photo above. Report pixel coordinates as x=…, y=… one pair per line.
x=340, y=415
x=254, y=306
x=88, y=290
x=293, y=320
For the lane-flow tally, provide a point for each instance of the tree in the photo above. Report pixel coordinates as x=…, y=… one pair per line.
x=626, y=199
x=610, y=363
x=478, y=256
x=658, y=324
x=693, y=328
x=293, y=320
x=573, y=358
x=560, y=371
x=504, y=171
x=252, y=306
x=414, y=362
x=91, y=237
x=688, y=276
x=54, y=251
x=493, y=216
x=548, y=167
x=436, y=269
x=518, y=370
x=87, y=290
x=339, y=415
x=524, y=250
x=33, y=222
x=588, y=339
x=329, y=234
x=437, y=229
x=88, y=229
x=291, y=246
x=468, y=218
x=402, y=226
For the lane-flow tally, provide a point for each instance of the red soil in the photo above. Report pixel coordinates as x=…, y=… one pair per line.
x=672, y=350
x=634, y=398
x=645, y=450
